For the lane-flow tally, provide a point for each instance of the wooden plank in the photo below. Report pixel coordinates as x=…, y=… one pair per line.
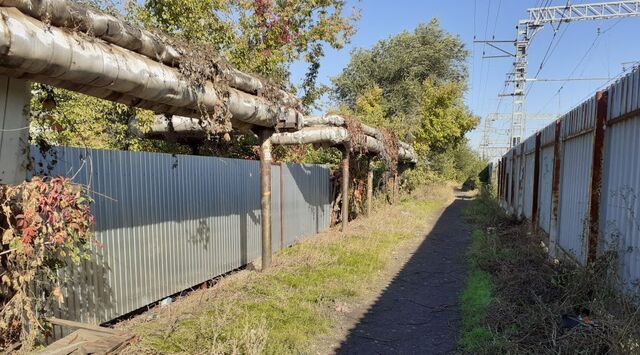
x=78, y=325
x=85, y=341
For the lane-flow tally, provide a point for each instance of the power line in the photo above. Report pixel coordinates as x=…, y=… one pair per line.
x=595, y=41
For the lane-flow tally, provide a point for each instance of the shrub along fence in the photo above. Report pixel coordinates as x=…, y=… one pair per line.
x=578, y=179
x=166, y=223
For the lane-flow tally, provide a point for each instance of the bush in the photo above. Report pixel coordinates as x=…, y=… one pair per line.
x=46, y=224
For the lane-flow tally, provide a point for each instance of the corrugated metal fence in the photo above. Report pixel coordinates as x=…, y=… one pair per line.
x=168, y=222
x=588, y=179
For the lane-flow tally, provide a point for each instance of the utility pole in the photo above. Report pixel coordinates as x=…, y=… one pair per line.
x=527, y=29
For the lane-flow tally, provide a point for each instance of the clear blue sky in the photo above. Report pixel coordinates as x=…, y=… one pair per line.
x=580, y=49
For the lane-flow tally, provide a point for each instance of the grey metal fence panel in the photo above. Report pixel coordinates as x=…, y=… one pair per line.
x=519, y=180
x=574, y=194
x=276, y=210
x=544, y=188
x=581, y=119
x=624, y=95
x=306, y=211
x=509, y=180
x=169, y=222
x=548, y=134
x=528, y=183
x=620, y=198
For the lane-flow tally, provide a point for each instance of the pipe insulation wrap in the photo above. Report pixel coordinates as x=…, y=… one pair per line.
x=74, y=16
x=28, y=47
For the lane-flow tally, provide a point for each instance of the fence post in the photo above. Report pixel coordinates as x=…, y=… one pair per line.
x=14, y=130
x=596, y=175
x=369, y=189
x=265, y=196
x=346, y=150
x=394, y=195
x=555, y=190
x=536, y=177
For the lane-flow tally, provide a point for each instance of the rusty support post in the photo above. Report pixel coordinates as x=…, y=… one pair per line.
x=369, y=189
x=555, y=190
x=265, y=196
x=596, y=175
x=536, y=185
x=345, y=185
x=394, y=193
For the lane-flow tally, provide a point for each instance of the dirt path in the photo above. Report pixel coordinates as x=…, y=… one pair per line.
x=418, y=311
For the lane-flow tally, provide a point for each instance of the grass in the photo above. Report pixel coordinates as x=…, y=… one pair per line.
x=516, y=296
x=299, y=299
x=476, y=298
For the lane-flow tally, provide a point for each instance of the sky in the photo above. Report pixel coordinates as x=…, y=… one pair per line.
x=581, y=49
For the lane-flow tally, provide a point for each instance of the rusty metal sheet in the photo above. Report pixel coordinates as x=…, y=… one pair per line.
x=620, y=196
x=548, y=134
x=530, y=144
x=624, y=96
x=544, y=192
x=575, y=182
x=528, y=184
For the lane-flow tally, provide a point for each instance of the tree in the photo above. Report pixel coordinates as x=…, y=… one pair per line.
x=414, y=83
x=258, y=36
x=399, y=66
x=62, y=117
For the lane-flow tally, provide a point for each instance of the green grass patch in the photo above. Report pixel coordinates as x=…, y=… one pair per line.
x=285, y=309
x=476, y=298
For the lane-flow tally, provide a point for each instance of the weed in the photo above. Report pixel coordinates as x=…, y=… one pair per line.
x=476, y=298
x=530, y=295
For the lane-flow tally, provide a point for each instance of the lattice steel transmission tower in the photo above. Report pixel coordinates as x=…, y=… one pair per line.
x=490, y=147
x=527, y=29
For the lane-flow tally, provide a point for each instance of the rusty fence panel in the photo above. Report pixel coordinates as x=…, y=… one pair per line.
x=306, y=200
x=544, y=191
x=620, y=193
x=575, y=179
x=546, y=160
x=170, y=222
x=516, y=199
x=528, y=178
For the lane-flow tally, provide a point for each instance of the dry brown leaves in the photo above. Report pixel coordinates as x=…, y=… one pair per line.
x=533, y=293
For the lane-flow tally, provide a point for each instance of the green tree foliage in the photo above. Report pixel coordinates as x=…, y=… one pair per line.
x=399, y=66
x=414, y=83
x=62, y=117
x=444, y=119
x=259, y=36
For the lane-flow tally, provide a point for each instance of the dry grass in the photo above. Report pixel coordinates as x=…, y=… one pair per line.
x=532, y=293
x=299, y=299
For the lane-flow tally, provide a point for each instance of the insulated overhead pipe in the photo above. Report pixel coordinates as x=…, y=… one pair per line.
x=29, y=49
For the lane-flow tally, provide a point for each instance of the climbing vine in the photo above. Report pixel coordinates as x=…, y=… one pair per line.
x=45, y=225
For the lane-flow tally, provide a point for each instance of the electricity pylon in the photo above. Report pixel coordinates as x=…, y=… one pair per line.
x=527, y=29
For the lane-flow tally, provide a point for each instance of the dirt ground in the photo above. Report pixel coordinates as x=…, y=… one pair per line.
x=414, y=309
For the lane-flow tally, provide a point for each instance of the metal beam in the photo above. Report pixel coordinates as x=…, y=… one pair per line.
x=580, y=12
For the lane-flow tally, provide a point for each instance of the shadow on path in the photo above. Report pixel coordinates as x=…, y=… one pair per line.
x=418, y=313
